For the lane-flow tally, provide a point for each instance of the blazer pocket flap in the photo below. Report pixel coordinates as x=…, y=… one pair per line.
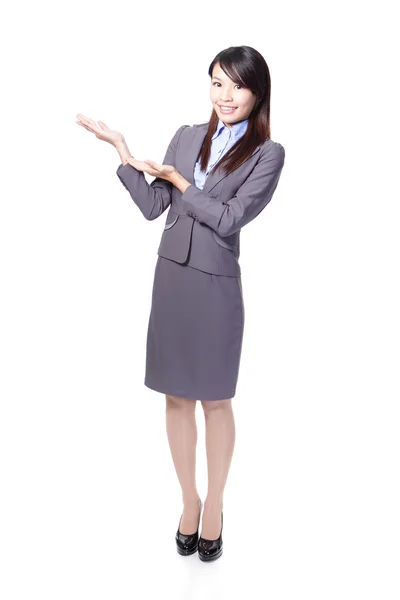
x=171, y=220
x=175, y=242
x=223, y=243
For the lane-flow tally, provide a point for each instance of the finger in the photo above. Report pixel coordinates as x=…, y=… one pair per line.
x=84, y=126
x=91, y=126
x=84, y=119
x=137, y=164
x=102, y=125
x=89, y=122
x=153, y=164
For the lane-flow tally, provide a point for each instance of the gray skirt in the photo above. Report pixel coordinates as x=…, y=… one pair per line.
x=195, y=333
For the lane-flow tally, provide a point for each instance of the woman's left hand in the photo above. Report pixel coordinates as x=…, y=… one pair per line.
x=153, y=168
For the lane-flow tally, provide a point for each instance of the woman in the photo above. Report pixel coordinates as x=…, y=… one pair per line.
x=215, y=178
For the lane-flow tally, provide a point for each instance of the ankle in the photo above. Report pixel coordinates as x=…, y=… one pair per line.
x=192, y=498
x=213, y=503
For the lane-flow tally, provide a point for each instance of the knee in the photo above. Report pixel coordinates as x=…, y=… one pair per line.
x=210, y=406
x=179, y=402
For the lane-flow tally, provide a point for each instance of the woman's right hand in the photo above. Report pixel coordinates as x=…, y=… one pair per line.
x=100, y=130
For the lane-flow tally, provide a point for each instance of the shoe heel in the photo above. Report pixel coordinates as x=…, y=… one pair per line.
x=186, y=544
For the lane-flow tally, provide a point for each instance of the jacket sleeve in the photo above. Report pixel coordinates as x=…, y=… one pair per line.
x=152, y=199
x=251, y=198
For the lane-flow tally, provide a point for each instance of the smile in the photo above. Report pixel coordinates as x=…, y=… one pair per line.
x=227, y=109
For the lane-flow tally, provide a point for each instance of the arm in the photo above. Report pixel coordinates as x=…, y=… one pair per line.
x=123, y=151
x=152, y=199
x=251, y=198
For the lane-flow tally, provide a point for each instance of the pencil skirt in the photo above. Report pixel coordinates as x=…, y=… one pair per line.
x=195, y=332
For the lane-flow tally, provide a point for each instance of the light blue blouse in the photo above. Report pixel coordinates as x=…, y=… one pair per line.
x=222, y=140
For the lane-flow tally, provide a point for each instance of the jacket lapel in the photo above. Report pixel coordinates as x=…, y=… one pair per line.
x=199, y=134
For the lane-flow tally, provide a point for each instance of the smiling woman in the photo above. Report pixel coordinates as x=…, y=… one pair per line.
x=216, y=177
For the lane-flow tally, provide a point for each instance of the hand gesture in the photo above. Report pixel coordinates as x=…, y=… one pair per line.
x=152, y=168
x=100, y=129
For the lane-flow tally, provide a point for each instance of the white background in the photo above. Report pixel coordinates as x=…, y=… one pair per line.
x=90, y=501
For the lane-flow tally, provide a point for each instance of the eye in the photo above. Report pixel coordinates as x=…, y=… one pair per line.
x=218, y=83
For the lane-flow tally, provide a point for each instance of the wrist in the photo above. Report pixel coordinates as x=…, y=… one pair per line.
x=179, y=181
x=122, y=150
x=173, y=178
x=120, y=144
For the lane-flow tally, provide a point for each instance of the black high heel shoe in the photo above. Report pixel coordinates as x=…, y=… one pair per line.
x=211, y=549
x=187, y=543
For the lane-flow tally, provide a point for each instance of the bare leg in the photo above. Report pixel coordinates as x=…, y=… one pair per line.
x=220, y=442
x=182, y=438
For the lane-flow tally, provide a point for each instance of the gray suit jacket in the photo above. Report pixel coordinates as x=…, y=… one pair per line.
x=202, y=228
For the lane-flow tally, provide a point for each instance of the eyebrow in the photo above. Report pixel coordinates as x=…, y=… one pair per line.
x=217, y=78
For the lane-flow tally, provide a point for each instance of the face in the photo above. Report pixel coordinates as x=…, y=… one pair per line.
x=226, y=92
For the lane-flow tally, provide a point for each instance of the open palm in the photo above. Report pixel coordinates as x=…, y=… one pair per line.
x=100, y=129
x=152, y=168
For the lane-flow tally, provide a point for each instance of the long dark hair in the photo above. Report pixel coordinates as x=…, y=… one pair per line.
x=247, y=67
